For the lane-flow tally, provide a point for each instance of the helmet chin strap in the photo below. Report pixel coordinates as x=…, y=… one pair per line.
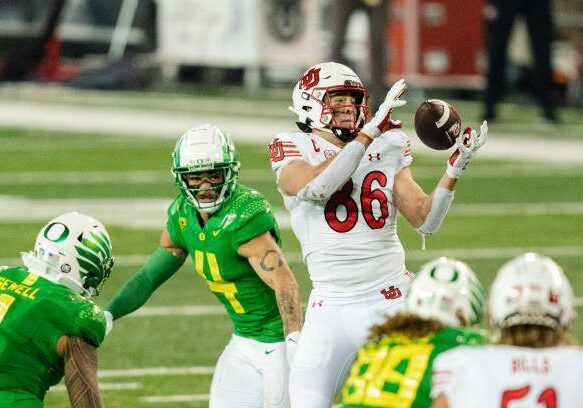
x=344, y=134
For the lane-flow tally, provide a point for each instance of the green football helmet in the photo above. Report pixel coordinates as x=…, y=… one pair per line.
x=202, y=149
x=73, y=250
x=447, y=289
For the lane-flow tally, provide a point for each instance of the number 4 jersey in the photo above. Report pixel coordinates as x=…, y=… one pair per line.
x=250, y=303
x=510, y=377
x=350, y=242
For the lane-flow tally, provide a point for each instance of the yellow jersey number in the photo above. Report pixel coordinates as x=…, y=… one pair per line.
x=217, y=284
x=387, y=376
x=5, y=303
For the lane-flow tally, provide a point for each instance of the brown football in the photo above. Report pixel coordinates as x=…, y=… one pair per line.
x=437, y=124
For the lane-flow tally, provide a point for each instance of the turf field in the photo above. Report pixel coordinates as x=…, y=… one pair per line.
x=164, y=355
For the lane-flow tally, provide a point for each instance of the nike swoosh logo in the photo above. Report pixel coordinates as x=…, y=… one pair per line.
x=269, y=351
x=215, y=233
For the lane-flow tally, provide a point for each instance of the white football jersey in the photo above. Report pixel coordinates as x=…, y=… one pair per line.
x=509, y=377
x=349, y=243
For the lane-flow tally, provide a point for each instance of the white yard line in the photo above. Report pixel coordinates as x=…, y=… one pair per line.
x=104, y=387
x=192, y=310
x=85, y=177
x=467, y=254
x=519, y=209
x=160, y=124
x=155, y=371
x=151, y=213
x=258, y=175
x=160, y=399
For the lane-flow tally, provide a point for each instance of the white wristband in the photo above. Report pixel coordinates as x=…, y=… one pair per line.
x=440, y=203
x=108, y=321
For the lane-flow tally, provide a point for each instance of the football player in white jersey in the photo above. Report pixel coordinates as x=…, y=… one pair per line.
x=531, y=308
x=343, y=178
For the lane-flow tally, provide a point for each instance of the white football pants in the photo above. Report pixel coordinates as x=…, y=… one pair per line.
x=335, y=327
x=251, y=374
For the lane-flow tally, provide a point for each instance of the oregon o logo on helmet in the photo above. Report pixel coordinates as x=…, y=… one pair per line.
x=440, y=276
x=56, y=232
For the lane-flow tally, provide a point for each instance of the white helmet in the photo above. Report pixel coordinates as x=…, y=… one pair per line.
x=200, y=149
x=73, y=250
x=445, y=289
x=531, y=289
x=310, y=99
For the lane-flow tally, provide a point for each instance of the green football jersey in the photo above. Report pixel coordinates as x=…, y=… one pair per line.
x=250, y=303
x=396, y=372
x=34, y=314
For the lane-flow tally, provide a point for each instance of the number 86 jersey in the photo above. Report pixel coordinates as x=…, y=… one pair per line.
x=349, y=242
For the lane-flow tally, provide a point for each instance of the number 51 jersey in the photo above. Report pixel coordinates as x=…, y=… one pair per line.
x=349, y=242
x=504, y=376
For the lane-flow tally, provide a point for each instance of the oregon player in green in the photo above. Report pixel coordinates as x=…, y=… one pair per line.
x=231, y=235
x=49, y=328
x=394, y=370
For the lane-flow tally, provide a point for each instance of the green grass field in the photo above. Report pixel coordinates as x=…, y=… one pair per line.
x=164, y=357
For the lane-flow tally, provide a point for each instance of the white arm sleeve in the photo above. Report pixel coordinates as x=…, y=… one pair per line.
x=335, y=175
x=439, y=206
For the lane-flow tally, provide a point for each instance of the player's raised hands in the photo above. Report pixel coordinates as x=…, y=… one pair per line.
x=381, y=122
x=467, y=145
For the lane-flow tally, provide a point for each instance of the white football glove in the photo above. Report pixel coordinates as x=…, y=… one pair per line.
x=381, y=122
x=291, y=344
x=108, y=321
x=467, y=145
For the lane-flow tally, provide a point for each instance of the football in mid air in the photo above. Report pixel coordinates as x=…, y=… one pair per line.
x=437, y=124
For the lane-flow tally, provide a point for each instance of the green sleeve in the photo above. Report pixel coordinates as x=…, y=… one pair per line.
x=160, y=266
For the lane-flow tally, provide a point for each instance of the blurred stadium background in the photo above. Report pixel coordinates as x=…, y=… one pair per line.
x=90, y=111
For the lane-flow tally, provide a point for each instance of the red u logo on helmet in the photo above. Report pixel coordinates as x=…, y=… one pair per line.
x=311, y=79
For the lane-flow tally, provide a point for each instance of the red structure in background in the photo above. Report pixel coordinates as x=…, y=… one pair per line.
x=52, y=68
x=437, y=43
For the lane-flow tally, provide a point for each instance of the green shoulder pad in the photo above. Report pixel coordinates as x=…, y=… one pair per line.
x=243, y=206
x=248, y=215
x=176, y=205
x=88, y=321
